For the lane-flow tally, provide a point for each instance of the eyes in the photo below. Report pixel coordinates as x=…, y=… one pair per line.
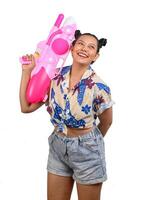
x=83, y=44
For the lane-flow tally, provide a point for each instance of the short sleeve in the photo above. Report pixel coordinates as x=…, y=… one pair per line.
x=102, y=98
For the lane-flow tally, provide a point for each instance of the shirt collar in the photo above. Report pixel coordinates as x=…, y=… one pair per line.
x=86, y=74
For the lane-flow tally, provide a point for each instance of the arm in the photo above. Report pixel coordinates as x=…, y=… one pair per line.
x=26, y=72
x=105, y=121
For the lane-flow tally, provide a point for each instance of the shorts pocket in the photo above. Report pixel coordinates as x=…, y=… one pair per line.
x=91, y=144
x=51, y=138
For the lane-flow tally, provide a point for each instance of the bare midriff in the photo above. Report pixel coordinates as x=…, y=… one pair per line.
x=75, y=132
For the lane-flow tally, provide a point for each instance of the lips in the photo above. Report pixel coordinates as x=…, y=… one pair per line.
x=82, y=54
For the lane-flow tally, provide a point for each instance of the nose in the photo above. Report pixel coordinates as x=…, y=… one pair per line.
x=84, y=47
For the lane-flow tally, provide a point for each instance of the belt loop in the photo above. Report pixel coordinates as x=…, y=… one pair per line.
x=79, y=138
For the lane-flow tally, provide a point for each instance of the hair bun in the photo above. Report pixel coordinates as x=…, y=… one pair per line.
x=102, y=42
x=77, y=34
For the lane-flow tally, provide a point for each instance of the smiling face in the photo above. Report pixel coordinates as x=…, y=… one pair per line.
x=84, y=50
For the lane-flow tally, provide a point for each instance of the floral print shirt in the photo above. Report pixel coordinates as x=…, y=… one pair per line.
x=79, y=107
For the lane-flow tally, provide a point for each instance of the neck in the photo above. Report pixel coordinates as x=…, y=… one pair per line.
x=78, y=69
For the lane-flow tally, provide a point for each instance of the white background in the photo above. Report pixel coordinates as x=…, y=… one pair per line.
x=23, y=137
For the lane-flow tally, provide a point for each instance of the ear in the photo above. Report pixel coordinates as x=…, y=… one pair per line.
x=71, y=49
x=96, y=57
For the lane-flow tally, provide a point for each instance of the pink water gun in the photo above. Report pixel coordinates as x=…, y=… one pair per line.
x=49, y=58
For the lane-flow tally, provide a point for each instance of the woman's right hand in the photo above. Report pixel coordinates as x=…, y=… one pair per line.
x=32, y=63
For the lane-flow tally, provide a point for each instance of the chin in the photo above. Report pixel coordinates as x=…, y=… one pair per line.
x=83, y=63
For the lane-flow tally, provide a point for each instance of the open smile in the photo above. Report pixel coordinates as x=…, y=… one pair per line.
x=82, y=54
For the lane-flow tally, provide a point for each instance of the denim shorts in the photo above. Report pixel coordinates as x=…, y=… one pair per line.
x=81, y=157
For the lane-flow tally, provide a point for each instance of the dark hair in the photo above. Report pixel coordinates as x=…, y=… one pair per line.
x=101, y=42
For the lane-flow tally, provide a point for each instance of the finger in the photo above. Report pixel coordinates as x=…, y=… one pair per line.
x=28, y=57
x=36, y=54
x=33, y=59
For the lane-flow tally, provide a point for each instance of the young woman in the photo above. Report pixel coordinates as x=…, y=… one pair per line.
x=77, y=97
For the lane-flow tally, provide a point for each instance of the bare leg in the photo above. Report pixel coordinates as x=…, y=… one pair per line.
x=89, y=192
x=59, y=187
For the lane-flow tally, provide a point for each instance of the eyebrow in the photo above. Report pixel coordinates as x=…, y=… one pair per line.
x=84, y=42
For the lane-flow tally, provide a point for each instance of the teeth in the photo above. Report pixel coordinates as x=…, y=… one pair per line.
x=83, y=55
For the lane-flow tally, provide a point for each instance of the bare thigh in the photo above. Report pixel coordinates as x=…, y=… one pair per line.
x=59, y=187
x=89, y=192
